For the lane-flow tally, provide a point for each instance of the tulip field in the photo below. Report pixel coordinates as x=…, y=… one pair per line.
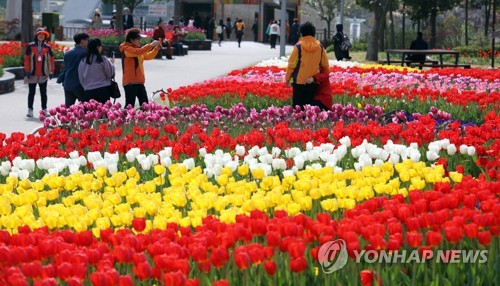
x=228, y=184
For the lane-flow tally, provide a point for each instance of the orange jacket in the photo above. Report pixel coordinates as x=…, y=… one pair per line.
x=132, y=64
x=313, y=57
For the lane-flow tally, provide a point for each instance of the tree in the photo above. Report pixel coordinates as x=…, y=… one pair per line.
x=379, y=9
x=27, y=21
x=131, y=4
x=119, y=16
x=326, y=10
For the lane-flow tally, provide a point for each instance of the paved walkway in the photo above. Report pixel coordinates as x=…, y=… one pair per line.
x=195, y=67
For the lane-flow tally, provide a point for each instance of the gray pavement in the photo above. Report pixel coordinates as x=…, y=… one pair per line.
x=198, y=66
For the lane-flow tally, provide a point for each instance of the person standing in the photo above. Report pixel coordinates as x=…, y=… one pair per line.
x=210, y=28
x=229, y=28
x=95, y=72
x=133, y=68
x=128, y=20
x=39, y=67
x=294, y=31
x=112, y=21
x=159, y=35
x=338, y=38
x=96, y=20
x=255, y=30
x=73, y=90
x=220, y=31
x=239, y=28
x=308, y=58
x=274, y=32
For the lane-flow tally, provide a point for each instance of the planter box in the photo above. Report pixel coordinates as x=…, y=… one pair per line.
x=19, y=72
x=198, y=45
x=7, y=82
x=108, y=49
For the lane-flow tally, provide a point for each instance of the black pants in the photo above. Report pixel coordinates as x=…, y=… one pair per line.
x=239, y=36
x=273, y=39
x=221, y=37
x=133, y=90
x=43, y=94
x=303, y=94
x=70, y=97
x=101, y=94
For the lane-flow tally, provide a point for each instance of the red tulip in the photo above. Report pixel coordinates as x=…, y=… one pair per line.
x=45, y=282
x=139, y=224
x=204, y=266
x=219, y=257
x=453, y=234
x=125, y=280
x=193, y=282
x=174, y=279
x=33, y=269
x=65, y=270
x=270, y=267
x=242, y=259
x=484, y=237
x=297, y=249
x=471, y=230
x=368, y=276
x=73, y=281
x=298, y=265
x=143, y=270
x=433, y=238
x=222, y=282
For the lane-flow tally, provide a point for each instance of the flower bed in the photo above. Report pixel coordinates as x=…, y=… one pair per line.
x=247, y=193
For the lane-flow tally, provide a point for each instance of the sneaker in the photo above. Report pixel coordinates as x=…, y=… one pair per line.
x=46, y=112
x=30, y=113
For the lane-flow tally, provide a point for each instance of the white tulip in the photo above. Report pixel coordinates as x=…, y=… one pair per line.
x=414, y=145
x=153, y=158
x=166, y=161
x=378, y=162
x=14, y=174
x=471, y=150
x=28, y=164
x=17, y=161
x=431, y=155
x=202, y=152
x=394, y=158
x=415, y=155
x=288, y=173
x=189, y=163
x=279, y=164
x=145, y=164
x=263, y=151
x=328, y=147
x=337, y=170
x=451, y=149
x=298, y=162
x=112, y=168
x=276, y=152
x=94, y=156
x=74, y=154
x=82, y=160
x=346, y=141
x=463, y=149
x=240, y=150
x=309, y=146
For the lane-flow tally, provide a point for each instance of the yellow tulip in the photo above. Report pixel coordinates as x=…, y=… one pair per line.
x=12, y=181
x=159, y=169
x=258, y=173
x=96, y=185
x=80, y=226
x=329, y=205
x=100, y=172
x=293, y=209
x=131, y=172
x=38, y=186
x=243, y=170
x=456, y=177
x=222, y=180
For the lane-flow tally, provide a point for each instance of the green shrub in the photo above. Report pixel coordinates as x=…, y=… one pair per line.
x=359, y=46
x=330, y=48
x=1, y=71
x=12, y=61
x=195, y=36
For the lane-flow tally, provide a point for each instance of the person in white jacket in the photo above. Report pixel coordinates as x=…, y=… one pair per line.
x=95, y=72
x=274, y=32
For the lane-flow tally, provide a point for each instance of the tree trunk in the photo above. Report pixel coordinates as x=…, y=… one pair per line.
x=119, y=17
x=27, y=21
x=487, y=9
x=393, y=37
x=403, y=28
x=375, y=33
x=432, y=42
x=466, y=22
x=328, y=28
x=382, y=34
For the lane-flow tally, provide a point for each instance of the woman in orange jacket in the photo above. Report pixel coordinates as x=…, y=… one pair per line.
x=133, y=68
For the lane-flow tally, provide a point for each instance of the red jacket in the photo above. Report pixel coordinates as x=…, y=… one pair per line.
x=39, y=63
x=324, y=93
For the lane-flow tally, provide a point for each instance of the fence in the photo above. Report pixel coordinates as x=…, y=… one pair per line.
x=69, y=32
x=324, y=36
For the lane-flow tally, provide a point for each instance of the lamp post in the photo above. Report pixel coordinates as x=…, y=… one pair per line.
x=283, y=28
x=341, y=12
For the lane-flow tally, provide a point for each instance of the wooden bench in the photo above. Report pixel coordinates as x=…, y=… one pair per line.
x=439, y=52
x=434, y=62
x=174, y=51
x=465, y=66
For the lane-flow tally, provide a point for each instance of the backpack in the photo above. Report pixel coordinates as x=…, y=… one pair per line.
x=218, y=30
x=345, y=45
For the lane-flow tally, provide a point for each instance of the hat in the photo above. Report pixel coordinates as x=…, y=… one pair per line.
x=133, y=34
x=42, y=31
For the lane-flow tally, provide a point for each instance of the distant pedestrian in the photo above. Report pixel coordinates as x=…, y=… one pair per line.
x=159, y=35
x=96, y=20
x=210, y=28
x=240, y=27
x=128, y=20
x=229, y=28
x=294, y=32
x=338, y=38
x=220, y=31
x=268, y=30
x=39, y=67
x=181, y=22
x=176, y=41
x=418, y=44
x=255, y=30
x=73, y=90
x=274, y=33
x=132, y=64
x=95, y=72
x=112, y=21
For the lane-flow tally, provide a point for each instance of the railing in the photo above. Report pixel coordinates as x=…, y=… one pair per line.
x=69, y=32
x=323, y=36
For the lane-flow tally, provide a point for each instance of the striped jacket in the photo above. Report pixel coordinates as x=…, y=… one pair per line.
x=39, y=59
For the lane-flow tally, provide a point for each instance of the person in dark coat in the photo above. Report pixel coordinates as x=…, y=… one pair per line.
x=294, y=32
x=337, y=40
x=255, y=30
x=128, y=20
x=418, y=44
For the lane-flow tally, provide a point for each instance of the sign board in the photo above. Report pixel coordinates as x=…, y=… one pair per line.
x=141, y=10
x=157, y=10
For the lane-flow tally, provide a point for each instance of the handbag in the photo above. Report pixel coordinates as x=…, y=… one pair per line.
x=114, y=91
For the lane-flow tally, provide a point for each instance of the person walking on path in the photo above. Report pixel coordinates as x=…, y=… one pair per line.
x=294, y=32
x=159, y=35
x=274, y=33
x=229, y=28
x=73, y=90
x=39, y=67
x=255, y=30
x=240, y=26
x=338, y=38
x=308, y=58
x=95, y=72
x=128, y=20
x=220, y=31
x=132, y=65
